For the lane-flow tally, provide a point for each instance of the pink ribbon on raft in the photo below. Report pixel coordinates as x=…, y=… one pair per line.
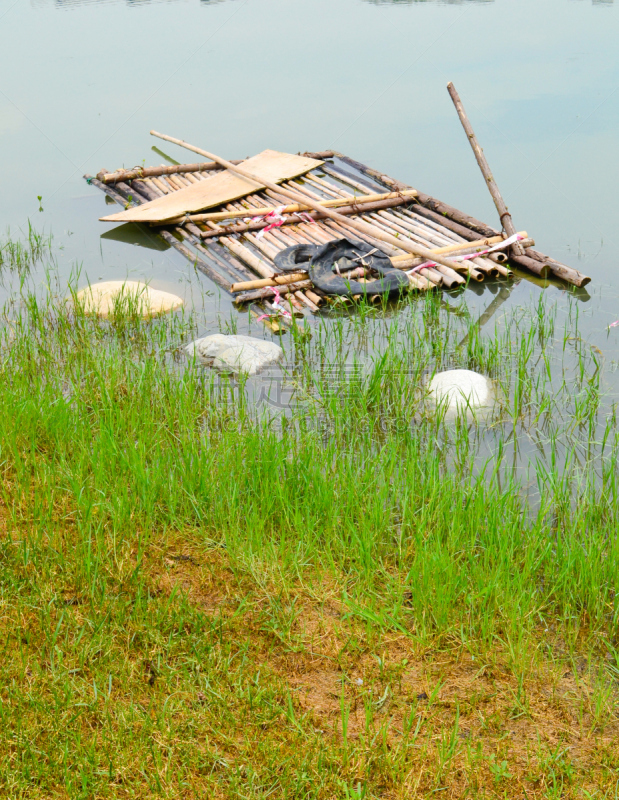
x=282, y=312
x=277, y=218
x=505, y=243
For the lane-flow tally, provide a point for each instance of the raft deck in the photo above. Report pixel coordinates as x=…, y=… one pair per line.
x=237, y=251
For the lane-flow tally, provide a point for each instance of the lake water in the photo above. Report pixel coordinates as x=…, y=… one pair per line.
x=83, y=81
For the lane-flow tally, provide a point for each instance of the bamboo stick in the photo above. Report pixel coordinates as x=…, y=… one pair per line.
x=176, y=182
x=340, y=174
x=462, y=247
x=155, y=172
x=269, y=291
x=264, y=247
x=153, y=187
x=316, y=299
x=568, y=274
x=345, y=210
x=276, y=280
x=506, y=218
x=309, y=303
x=298, y=198
x=163, y=187
x=205, y=166
x=257, y=264
x=224, y=261
x=219, y=216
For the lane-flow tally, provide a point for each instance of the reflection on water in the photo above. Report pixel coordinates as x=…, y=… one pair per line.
x=437, y=2
x=72, y=3
x=457, y=2
x=130, y=233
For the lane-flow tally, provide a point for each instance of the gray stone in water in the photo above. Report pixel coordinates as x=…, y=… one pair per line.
x=461, y=389
x=235, y=353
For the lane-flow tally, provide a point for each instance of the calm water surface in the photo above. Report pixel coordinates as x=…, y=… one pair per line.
x=83, y=81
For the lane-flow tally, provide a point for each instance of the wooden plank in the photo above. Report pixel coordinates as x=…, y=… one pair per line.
x=221, y=188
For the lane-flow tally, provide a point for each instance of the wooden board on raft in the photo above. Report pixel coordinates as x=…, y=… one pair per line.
x=218, y=189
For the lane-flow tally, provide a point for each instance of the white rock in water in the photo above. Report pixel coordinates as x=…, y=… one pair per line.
x=236, y=353
x=100, y=298
x=461, y=388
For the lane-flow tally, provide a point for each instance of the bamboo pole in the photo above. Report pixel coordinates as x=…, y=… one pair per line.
x=358, y=225
x=277, y=280
x=346, y=177
x=313, y=297
x=294, y=208
x=506, y=218
x=568, y=274
x=269, y=291
x=205, y=166
x=155, y=172
x=257, y=264
x=309, y=303
x=345, y=210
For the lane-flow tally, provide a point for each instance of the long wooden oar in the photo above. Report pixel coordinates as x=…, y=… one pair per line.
x=358, y=225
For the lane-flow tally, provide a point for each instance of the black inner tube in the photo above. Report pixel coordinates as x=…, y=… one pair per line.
x=321, y=262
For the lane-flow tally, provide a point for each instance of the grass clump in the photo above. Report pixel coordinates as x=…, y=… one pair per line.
x=348, y=597
x=21, y=255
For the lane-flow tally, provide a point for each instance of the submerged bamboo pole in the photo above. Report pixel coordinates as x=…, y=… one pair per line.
x=358, y=225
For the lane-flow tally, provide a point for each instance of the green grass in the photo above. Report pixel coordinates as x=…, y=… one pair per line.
x=23, y=254
x=351, y=597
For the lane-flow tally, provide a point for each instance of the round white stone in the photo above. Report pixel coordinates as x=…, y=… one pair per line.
x=101, y=298
x=461, y=388
x=235, y=353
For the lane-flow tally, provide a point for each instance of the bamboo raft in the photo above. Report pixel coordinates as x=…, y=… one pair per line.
x=234, y=245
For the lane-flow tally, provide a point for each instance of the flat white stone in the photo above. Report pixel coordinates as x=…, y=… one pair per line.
x=461, y=388
x=100, y=298
x=235, y=353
